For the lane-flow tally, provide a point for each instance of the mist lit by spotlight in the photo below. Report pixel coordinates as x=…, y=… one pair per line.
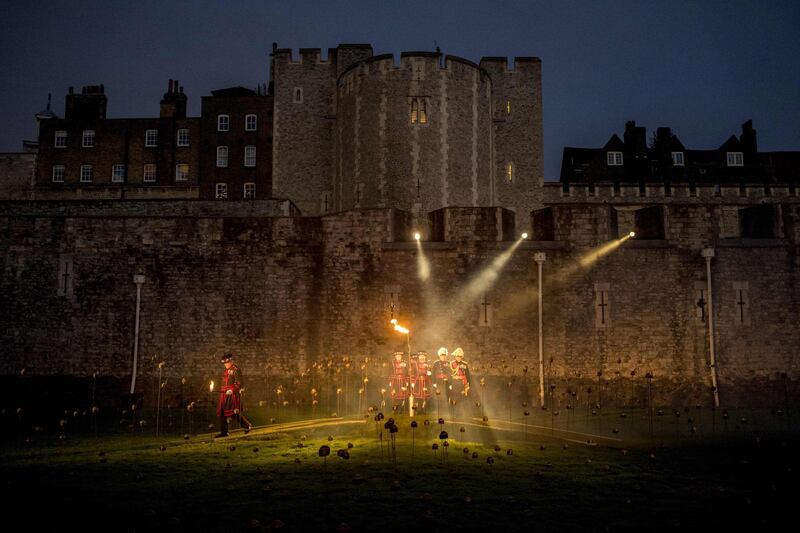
x=524, y=235
x=632, y=234
x=417, y=236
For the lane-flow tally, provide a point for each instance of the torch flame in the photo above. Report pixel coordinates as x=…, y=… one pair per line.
x=211, y=386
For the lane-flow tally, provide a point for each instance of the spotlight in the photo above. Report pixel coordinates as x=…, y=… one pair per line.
x=524, y=235
x=393, y=321
x=632, y=234
x=417, y=236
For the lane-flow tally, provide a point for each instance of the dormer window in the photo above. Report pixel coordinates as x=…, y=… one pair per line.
x=614, y=159
x=735, y=159
x=677, y=159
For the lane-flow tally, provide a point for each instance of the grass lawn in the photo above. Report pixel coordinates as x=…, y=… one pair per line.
x=273, y=478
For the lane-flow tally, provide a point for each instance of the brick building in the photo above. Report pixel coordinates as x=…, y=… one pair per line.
x=86, y=155
x=664, y=159
x=236, y=140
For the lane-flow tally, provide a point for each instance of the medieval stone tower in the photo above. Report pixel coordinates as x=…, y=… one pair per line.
x=362, y=131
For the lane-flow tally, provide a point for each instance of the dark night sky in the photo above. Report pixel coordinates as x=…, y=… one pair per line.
x=701, y=68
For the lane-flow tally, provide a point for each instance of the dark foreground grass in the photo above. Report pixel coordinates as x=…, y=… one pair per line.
x=275, y=479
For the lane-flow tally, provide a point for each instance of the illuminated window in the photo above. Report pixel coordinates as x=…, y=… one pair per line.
x=151, y=138
x=298, y=95
x=677, y=159
x=88, y=139
x=222, y=156
x=87, y=173
x=509, y=172
x=249, y=156
x=183, y=137
x=60, y=140
x=118, y=173
x=58, y=173
x=614, y=159
x=249, y=191
x=508, y=107
x=250, y=122
x=181, y=172
x=735, y=159
x=418, y=111
x=221, y=191
x=223, y=122
x=149, y=174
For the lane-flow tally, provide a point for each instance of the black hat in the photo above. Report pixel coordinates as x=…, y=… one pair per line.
x=227, y=357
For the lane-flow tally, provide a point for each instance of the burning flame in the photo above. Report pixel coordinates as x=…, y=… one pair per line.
x=211, y=386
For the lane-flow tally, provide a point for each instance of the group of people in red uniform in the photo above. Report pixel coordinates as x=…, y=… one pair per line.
x=445, y=380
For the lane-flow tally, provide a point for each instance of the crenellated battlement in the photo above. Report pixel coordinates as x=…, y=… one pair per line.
x=503, y=65
x=388, y=63
x=659, y=193
x=304, y=56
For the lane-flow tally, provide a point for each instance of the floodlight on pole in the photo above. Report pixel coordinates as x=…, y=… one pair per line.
x=540, y=258
x=708, y=254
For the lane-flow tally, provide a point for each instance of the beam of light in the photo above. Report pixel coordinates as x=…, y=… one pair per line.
x=401, y=329
x=592, y=256
x=423, y=265
x=486, y=278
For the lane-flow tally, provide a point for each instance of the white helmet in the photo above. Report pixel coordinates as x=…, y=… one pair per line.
x=442, y=351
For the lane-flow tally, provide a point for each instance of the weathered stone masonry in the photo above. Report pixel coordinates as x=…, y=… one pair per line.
x=290, y=290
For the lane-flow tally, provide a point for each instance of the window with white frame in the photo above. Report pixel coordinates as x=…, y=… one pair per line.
x=250, y=122
x=58, y=173
x=60, y=140
x=88, y=139
x=223, y=122
x=183, y=137
x=249, y=191
x=297, y=93
x=182, y=172
x=250, y=156
x=677, y=159
x=221, y=191
x=118, y=173
x=87, y=173
x=151, y=138
x=735, y=159
x=614, y=159
x=149, y=173
x=222, y=156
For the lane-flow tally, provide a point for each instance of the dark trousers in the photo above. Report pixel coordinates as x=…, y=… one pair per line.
x=222, y=422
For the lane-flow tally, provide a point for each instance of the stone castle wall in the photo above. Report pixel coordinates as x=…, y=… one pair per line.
x=344, y=137
x=291, y=290
x=383, y=159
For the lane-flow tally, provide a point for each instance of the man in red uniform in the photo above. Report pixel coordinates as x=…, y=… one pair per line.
x=441, y=379
x=421, y=385
x=460, y=380
x=230, y=397
x=398, y=383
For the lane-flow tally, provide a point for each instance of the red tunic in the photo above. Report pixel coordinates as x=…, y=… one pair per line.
x=230, y=405
x=398, y=383
x=421, y=379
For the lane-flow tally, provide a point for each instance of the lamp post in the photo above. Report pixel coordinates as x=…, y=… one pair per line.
x=708, y=254
x=138, y=280
x=540, y=258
